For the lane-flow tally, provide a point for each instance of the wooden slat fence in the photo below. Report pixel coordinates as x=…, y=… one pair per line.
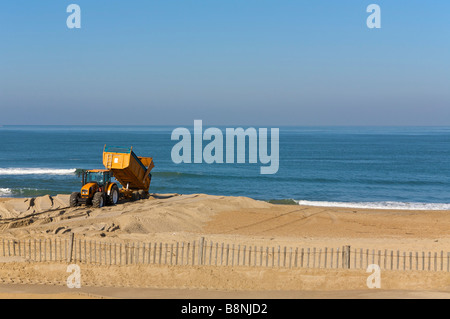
x=208, y=253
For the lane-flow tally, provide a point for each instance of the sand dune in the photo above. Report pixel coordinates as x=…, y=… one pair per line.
x=176, y=218
x=22, y=207
x=185, y=217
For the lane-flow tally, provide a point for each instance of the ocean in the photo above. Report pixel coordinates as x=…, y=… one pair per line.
x=379, y=167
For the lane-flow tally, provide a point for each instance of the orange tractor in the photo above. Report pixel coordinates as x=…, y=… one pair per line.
x=122, y=164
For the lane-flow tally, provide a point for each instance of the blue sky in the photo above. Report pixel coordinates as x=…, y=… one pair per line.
x=233, y=62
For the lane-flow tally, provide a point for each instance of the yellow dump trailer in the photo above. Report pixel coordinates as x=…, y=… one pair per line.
x=131, y=171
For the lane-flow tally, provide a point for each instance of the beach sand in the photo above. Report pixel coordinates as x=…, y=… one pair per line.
x=171, y=218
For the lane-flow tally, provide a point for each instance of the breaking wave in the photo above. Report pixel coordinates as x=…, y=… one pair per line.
x=378, y=205
x=5, y=192
x=36, y=171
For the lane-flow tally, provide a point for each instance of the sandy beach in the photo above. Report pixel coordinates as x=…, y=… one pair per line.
x=171, y=218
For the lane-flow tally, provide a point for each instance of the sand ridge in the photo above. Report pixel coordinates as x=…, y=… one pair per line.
x=175, y=217
x=170, y=218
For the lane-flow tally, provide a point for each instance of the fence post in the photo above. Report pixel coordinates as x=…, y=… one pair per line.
x=361, y=262
x=423, y=260
x=70, y=246
x=290, y=257
x=392, y=259
x=429, y=260
x=448, y=262
x=149, y=252
x=210, y=251
x=79, y=250
x=261, y=256
x=337, y=257
x=314, y=257
x=136, y=256
x=182, y=254
x=279, y=252
x=435, y=261
x=404, y=260
x=410, y=260
x=154, y=253
x=193, y=253
x=200, y=250
x=347, y=257
x=379, y=258
x=120, y=254
x=95, y=252
x=307, y=259
x=273, y=257
x=165, y=254
x=417, y=260
x=217, y=252
x=232, y=255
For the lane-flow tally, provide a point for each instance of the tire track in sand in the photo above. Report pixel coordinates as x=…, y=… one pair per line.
x=265, y=220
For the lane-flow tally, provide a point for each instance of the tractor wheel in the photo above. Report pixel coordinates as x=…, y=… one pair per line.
x=74, y=197
x=99, y=200
x=142, y=194
x=135, y=196
x=113, y=197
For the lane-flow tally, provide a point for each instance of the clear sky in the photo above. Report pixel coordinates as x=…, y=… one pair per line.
x=226, y=62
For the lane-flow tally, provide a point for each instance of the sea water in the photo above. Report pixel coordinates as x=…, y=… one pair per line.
x=381, y=167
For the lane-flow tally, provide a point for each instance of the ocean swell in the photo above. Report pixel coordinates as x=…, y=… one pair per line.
x=378, y=205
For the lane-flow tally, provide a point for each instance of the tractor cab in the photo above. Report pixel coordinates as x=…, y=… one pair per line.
x=95, y=181
x=101, y=177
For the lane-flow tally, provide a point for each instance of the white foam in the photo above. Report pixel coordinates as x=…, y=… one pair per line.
x=36, y=171
x=378, y=205
x=5, y=192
